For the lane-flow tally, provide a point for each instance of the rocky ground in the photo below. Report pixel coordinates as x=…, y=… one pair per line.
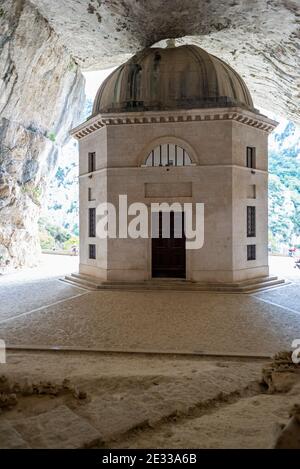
x=120, y=401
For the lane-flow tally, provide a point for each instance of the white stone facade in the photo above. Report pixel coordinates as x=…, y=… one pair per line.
x=216, y=141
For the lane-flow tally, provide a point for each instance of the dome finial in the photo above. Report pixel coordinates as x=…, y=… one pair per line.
x=171, y=43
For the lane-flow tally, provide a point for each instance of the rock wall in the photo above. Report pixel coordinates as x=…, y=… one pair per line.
x=41, y=97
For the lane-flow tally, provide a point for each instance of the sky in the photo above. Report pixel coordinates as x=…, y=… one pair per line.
x=94, y=80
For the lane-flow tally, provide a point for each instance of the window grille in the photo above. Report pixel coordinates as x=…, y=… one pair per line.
x=168, y=154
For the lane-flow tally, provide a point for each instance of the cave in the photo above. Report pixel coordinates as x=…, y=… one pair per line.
x=155, y=358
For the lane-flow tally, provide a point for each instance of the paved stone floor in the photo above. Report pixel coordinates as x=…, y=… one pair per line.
x=166, y=321
x=31, y=289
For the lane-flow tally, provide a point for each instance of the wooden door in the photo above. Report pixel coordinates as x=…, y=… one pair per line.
x=169, y=253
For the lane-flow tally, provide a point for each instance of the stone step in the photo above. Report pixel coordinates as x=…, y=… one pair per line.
x=78, y=282
x=194, y=286
x=265, y=285
x=175, y=282
x=242, y=283
x=247, y=286
x=164, y=281
x=86, y=277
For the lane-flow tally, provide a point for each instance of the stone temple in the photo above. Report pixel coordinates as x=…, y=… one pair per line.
x=176, y=124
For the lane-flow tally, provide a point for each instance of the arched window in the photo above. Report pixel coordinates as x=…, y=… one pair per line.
x=168, y=154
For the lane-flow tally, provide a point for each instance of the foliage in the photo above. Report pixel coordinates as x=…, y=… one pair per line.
x=75, y=229
x=284, y=187
x=47, y=242
x=52, y=236
x=73, y=241
x=51, y=136
x=71, y=66
x=34, y=192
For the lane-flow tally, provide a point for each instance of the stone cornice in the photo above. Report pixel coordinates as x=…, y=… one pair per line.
x=240, y=115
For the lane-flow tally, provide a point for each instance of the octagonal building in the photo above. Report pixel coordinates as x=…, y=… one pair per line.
x=176, y=124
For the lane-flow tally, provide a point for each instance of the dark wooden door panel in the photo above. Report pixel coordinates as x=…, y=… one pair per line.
x=169, y=254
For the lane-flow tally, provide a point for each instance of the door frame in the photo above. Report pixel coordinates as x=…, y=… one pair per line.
x=148, y=247
x=188, y=258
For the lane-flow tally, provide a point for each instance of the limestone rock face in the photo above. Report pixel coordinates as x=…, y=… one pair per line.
x=259, y=38
x=42, y=94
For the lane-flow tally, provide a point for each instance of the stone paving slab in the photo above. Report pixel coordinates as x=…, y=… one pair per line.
x=115, y=413
x=59, y=428
x=10, y=438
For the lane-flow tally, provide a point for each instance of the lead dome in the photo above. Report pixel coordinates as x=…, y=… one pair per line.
x=158, y=79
